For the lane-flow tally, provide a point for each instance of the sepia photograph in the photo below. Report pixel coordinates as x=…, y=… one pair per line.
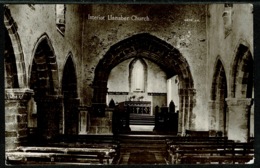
x=129, y=84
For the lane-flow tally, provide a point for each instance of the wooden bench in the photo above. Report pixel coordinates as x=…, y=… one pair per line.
x=195, y=139
x=214, y=159
x=178, y=151
x=49, y=155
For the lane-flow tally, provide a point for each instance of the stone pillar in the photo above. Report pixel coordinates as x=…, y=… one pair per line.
x=238, y=125
x=216, y=117
x=212, y=118
x=49, y=109
x=71, y=116
x=102, y=125
x=99, y=98
x=83, y=119
x=186, y=116
x=16, y=129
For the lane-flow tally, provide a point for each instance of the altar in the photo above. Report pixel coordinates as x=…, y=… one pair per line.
x=138, y=107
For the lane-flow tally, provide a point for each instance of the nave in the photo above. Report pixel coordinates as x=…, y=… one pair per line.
x=176, y=89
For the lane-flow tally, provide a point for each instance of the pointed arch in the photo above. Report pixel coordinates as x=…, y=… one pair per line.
x=69, y=78
x=44, y=78
x=44, y=81
x=242, y=73
x=149, y=47
x=13, y=40
x=70, y=96
x=218, y=96
x=241, y=99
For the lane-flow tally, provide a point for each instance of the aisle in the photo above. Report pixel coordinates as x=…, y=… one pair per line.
x=142, y=148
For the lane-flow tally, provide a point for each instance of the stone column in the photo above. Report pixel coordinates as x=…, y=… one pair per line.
x=16, y=132
x=102, y=125
x=71, y=116
x=238, y=125
x=186, y=116
x=49, y=109
x=83, y=119
x=212, y=118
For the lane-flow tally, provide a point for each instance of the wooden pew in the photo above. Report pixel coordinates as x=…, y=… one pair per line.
x=196, y=139
x=177, y=152
x=214, y=159
x=55, y=155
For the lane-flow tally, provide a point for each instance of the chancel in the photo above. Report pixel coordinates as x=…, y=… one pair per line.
x=172, y=87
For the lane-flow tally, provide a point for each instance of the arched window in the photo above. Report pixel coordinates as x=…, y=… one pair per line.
x=60, y=18
x=137, y=75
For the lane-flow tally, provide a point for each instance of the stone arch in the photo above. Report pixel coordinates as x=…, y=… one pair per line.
x=149, y=47
x=13, y=39
x=44, y=70
x=44, y=81
x=218, y=96
x=11, y=79
x=240, y=102
x=131, y=66
x=70, y=96
x=242, y=73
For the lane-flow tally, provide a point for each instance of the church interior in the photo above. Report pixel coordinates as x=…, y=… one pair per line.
x=123, y=84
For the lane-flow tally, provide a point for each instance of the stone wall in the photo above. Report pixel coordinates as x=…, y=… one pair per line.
x=197, y=31
x=182, y=26
x=29, y=23
x=224, y=45
x=37, y=20
x=118, y=81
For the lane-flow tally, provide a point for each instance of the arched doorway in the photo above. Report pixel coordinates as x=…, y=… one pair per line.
x=45, y=83
x=70, y=97
x=240, y=103
x=218, y=113
x=149, y=47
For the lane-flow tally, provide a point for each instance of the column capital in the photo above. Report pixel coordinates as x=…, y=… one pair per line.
x=18, y=94
x=239, y=101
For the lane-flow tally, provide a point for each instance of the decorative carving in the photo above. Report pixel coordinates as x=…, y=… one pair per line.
x=138, y=107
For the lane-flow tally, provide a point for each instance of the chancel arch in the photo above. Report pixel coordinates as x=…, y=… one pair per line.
x=218, y=108
x=168, y=58
x=241, y=100
x=70, y=97
x=45, y=83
